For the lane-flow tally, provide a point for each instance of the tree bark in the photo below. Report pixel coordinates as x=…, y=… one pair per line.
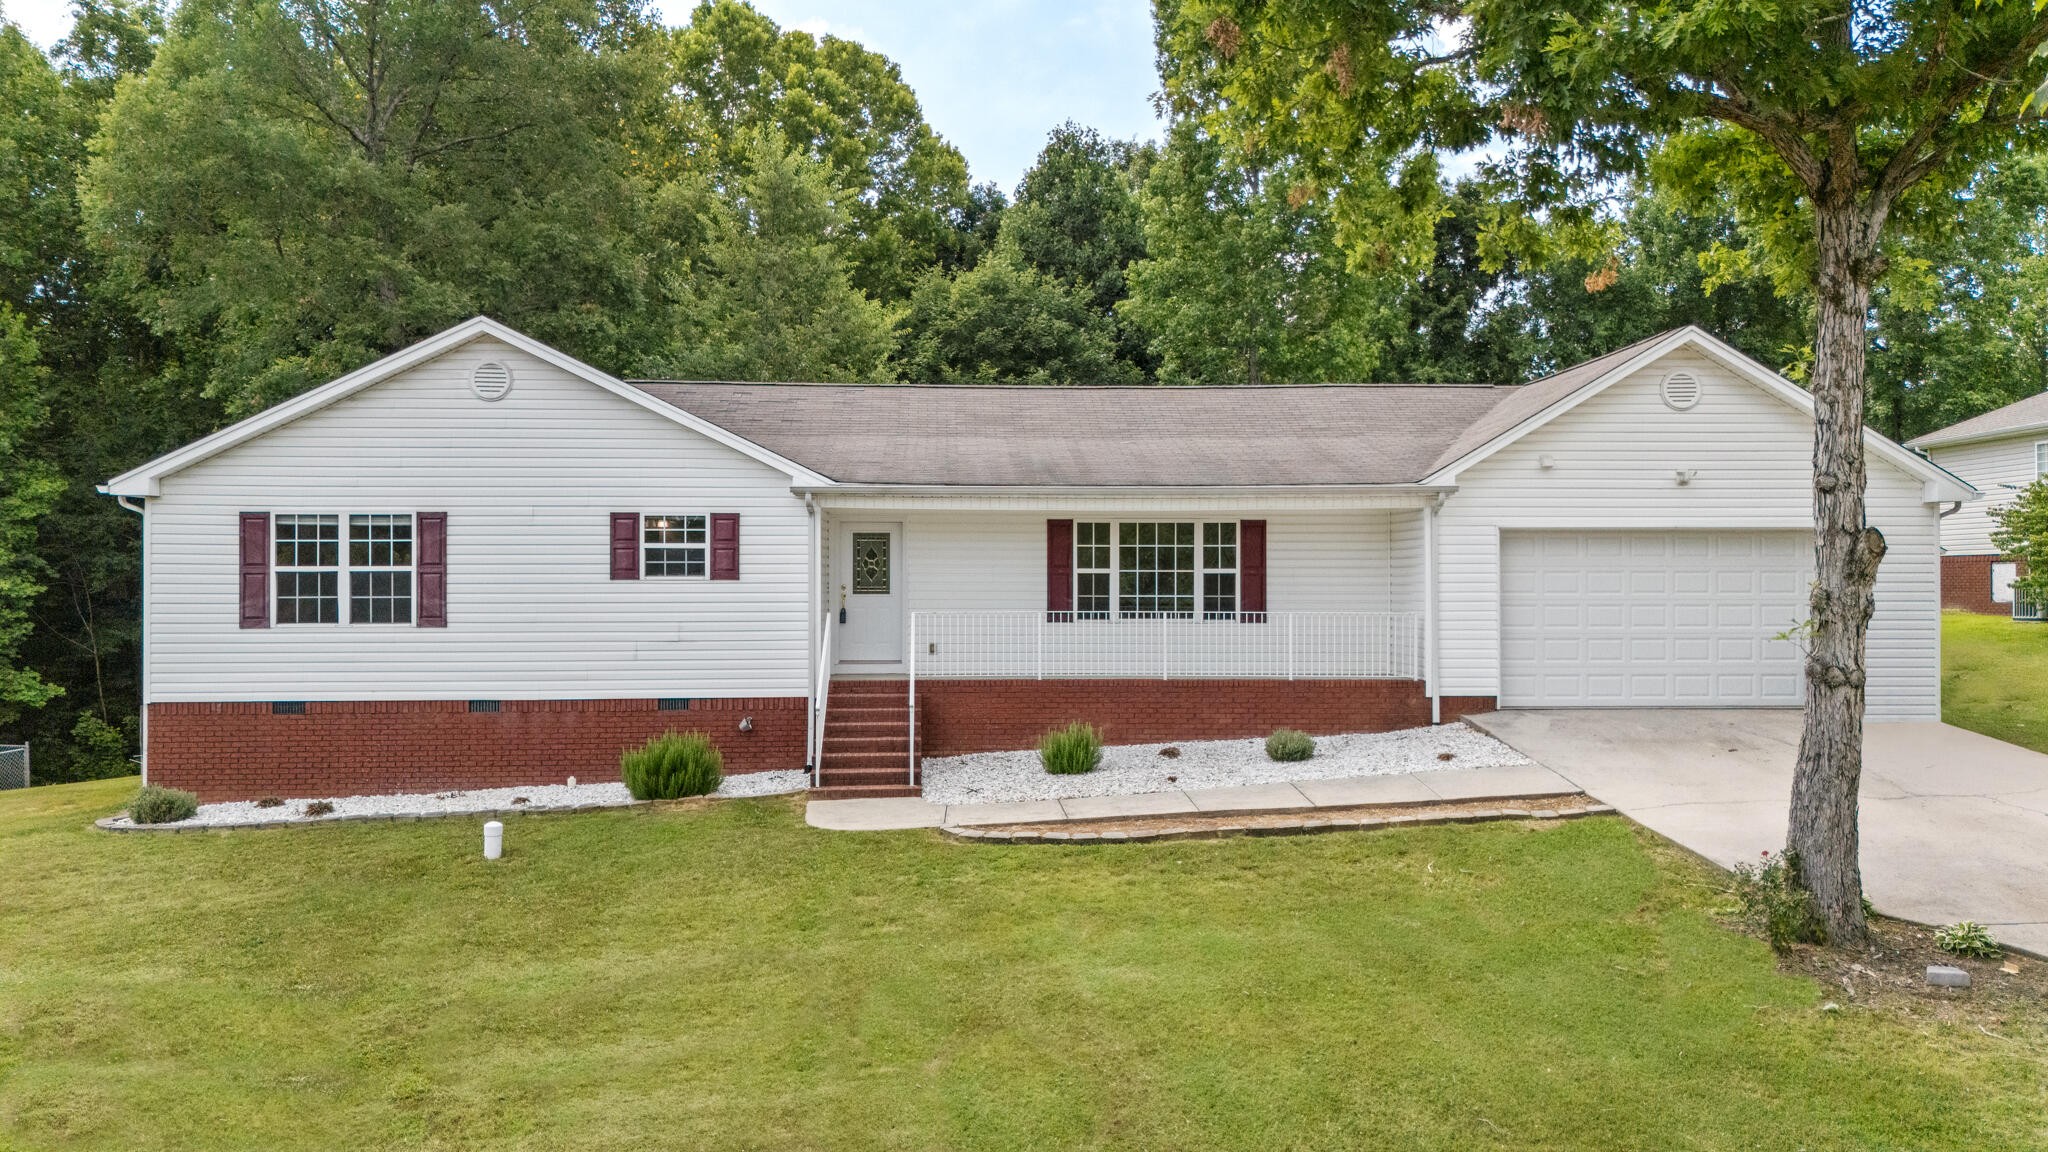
x=1823, y=825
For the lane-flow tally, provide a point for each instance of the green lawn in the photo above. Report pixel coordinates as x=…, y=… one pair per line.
x=727, y=978
x=1994, y=677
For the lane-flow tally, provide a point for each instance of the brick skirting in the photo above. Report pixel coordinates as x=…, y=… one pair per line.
x=1966, y=584
x=959, y=716
x=245, y=751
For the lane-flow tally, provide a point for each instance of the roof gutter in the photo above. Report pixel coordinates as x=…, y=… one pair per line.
x=1122, y=489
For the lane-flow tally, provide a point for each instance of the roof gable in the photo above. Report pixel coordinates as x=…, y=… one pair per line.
x=2028, y=417
x=146, y=479
x=1545, y=400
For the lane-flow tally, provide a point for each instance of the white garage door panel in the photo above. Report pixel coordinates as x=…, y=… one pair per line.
x=1605, y=619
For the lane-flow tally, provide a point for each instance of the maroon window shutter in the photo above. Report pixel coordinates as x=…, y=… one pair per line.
x=1251, y=568
x=255, y=570
x=725, y=545
x=625, y=545
x=1059, y=565
x=432, y=565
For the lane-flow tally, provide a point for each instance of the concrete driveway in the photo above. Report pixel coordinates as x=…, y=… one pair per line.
x=1955, y=824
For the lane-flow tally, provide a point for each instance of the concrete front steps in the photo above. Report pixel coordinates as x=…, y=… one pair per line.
x=867, y=742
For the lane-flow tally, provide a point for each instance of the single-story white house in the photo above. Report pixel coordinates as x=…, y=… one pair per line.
x=480, y=562
x=1997, y=453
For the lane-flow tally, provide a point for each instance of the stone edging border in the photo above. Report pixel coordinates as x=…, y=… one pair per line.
x=106, y=823
x=1309, y=824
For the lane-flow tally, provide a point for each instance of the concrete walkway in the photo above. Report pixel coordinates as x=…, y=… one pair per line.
x=1406, y=788
x=1954, y=824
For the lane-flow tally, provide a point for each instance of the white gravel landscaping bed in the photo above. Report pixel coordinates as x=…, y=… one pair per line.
x=474, y=802
x=997, y=777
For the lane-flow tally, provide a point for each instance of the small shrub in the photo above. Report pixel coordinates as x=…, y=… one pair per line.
x=154, y=805
x=319, y=808
x=1769, y=900
x=1968, y=938
x=1290, y=744
x=671, y=766
x=1070, y=751
x=270, y=802
x=1447, y=755
x=1170, y=752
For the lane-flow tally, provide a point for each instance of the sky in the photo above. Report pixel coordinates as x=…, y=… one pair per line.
x=994, y=76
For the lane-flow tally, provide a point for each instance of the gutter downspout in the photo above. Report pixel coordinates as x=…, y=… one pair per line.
x=813, y=605
x=142, y=643
x=1429, y=573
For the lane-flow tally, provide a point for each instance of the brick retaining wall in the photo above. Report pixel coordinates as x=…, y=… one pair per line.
x=959, y=716
x=244, y=751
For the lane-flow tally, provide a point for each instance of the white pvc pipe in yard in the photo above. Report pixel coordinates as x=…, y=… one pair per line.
x=494, y=839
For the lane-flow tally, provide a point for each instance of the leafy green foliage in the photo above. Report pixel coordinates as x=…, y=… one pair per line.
x=1243, y=281
x=101, y=750
x=1002, y=322
x=771, y=299
x=1070, y=751
x=1770, y=902
x=154, y=805
x=1288, y=744
x=28, y=489
x=1968, y=938
x=672, y=766
x=2023, y=532
x=735, y=76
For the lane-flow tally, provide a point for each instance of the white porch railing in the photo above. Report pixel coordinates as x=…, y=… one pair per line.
x=1271, y=645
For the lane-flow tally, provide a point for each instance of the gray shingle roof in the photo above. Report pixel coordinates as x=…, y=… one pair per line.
x=2019, y=416
x=1123, y=437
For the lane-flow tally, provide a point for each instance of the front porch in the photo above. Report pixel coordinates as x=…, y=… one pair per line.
x=1166, y=619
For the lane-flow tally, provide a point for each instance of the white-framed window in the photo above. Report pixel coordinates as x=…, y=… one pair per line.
x=1149, y=569
x=2040, y=459
x=1219, y=570
x=306, y=559
x=1093, y=571
x=380, y=556
x=675, y=545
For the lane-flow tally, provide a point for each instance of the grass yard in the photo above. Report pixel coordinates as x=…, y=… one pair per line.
x=1994, y=677
x=723, y=977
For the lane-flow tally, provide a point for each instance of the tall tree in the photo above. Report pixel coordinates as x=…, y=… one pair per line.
x=771, y=298
x=1077, y=219
x=1004, y=322
x=298, y=186
x=1243, y=281
x=28, y=489
x=1831, y=127
x=733, y=74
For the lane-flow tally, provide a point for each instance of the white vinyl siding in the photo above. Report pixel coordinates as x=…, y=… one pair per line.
x=528, y=483
x=1315, y=561
x=1998, y=469
x=1613, y=463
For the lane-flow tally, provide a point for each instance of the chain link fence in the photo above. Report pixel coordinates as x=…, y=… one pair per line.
x=13, y=766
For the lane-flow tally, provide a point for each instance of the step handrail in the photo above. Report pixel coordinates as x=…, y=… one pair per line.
x=819, y=698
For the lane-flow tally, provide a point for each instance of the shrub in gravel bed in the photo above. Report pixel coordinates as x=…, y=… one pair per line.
x=154, y=805
x=1290, y=744
x=270, y=802
x=320, y=808
x=671, y=766
x=1070, y=751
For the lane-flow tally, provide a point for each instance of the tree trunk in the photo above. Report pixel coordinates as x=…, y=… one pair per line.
x=1823, y=830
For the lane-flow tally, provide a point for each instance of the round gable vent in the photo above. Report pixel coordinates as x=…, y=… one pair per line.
x=1681, y=390
x=490, y=381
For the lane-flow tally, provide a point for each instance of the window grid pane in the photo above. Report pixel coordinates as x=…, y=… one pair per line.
x=307, y=556
x=1219, y=571
x=1091, y=571
x=675, y=545
x=1156, y=569
x=380, y=568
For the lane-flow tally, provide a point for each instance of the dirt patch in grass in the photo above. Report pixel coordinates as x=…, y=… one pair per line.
x=1890, y=974
x=1447, y=812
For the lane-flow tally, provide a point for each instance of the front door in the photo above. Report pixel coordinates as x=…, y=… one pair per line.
x=870, y=590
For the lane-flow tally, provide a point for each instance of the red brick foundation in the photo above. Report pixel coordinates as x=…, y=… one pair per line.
x=958, y=716
x=1966, y=584
x=244, y=751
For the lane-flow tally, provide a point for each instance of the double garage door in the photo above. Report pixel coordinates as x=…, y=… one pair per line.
x=1673, y=619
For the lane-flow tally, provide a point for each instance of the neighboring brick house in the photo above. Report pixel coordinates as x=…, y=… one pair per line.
x=481, y=562
x=1997, y=453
